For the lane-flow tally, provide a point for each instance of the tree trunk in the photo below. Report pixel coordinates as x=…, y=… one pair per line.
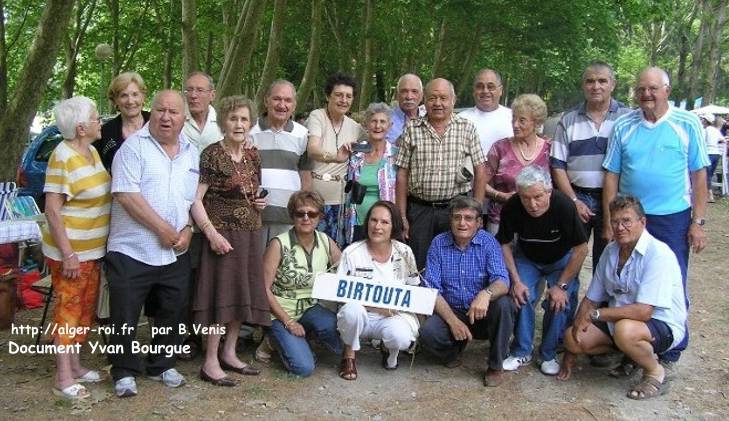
x=190, y=61
x=466, y=70
x=312, y=62
x=714, y=63
x=241, y=48
x=698, y=52
x=3, y=61
x=680, y=84
x=438, y=58
x=272, y=55
x=168, y=53
x=209, y=54
x=74, y=45
x=36, y=71
x=116, y=57
x=364, y=91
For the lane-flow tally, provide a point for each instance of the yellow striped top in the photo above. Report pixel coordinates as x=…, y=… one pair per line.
x=87, y=207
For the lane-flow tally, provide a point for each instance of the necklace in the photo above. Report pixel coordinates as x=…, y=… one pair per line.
x=523, y=155
x=334, y=129
x=248, y=191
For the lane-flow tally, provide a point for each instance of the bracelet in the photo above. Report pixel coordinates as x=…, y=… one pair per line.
x=187, y=226
x=289, y=323
x=205, y=225
x=73, y=253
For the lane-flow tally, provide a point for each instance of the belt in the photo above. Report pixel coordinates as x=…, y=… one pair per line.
x=433, y=204
x=326, y=177
x=588, y=191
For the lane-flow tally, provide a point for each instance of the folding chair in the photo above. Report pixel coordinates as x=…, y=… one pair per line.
x=8, y=190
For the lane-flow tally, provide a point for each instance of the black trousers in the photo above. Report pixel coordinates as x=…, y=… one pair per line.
x=131, y=285
x=425, y=223
x=498, y=325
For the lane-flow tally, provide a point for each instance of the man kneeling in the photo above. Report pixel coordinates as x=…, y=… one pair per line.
x=640, y=279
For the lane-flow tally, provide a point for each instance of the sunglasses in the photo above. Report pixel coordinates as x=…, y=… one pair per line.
x=302, y=214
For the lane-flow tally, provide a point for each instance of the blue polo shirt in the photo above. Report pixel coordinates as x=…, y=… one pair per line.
x=654, y=160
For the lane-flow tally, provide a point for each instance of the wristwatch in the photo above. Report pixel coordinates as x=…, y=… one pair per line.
x=699, y=221
x=563, y=286
x=595, y=315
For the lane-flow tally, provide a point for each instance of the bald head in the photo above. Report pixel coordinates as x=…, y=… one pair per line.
x=440, y=98
x=652, y=91
x=167, y=116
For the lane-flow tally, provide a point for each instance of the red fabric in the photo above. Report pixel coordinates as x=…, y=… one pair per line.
x=9, y=255
x=29, y=297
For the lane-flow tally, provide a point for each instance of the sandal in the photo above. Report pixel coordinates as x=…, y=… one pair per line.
x=74, y=392
x=625, y=369
x=348, y=369
x=648, y=387
x=91, y=376
x=264, y=351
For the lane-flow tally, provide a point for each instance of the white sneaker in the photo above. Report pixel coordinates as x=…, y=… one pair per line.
x=550, y=368
x=125, y=387
x=513, y=363
x=170, y=378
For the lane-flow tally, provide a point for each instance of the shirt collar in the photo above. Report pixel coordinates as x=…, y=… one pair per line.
x=184, y=141
x=263, y=124
x=423, y=121
x=212, y=116
x=477, y=239
x=294, y=239
x=642, y=245
x=614, y=106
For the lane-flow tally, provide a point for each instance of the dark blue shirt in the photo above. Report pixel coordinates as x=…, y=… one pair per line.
x=459, y=275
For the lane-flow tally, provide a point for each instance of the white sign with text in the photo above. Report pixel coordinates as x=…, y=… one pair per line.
x=345, y=289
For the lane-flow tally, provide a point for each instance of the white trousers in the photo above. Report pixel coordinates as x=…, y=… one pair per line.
x=354, y=322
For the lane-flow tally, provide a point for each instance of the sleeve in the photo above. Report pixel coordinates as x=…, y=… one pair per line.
x=433, y=268
x=57, y=176
x=660, y=269
x=613, y=161
x=495, y=266
x=596, y=291
x=405, y=151
x=305, y=163
x=492, y=160
x=506, y=223
x=207, y=167
x=477, y=152
x=315, y=124
x=559, y=151
x=575, y=225
x=127, y=168
x=698, y=157
x=344, y=263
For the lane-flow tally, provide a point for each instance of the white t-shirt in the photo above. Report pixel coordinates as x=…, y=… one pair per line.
x=490, y=125
x=713, y=136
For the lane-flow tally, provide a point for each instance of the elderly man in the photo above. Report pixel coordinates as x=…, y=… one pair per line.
x=657, y=154
x=285, y=168
x=578, y=149
x=155, y=179
x=713, y=138
x=550, y=244
x=492, y=121
x=466, y=266
x=646, y=315
x=201, y=127
x=437, y=153
x=409, y=97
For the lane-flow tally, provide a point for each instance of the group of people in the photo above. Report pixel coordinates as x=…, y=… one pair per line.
x=182, y=204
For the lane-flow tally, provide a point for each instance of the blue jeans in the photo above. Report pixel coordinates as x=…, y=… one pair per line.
x=594, y=225
x=673, y=230
x=295, y=351
x=553, y=324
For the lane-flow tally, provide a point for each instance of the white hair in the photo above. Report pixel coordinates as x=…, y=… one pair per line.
x=531, y=175
x=71, y=112
x=406, y=76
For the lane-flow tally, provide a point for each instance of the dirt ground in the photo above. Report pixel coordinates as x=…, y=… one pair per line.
x=423, y=390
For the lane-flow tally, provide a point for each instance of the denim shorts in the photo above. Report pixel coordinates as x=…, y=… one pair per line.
x=661, y=334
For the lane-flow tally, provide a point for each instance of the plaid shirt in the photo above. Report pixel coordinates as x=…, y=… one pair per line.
x=459, y=275
x=434, y=161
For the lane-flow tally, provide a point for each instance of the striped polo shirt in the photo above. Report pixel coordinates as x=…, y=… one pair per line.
x=283, y=155
x=579, y=147
x=88, y=202
x=654, y=160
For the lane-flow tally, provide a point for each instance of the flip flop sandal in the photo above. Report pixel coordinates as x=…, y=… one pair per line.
x=648, y=387
x=73, y=392
x=91, y=376
x=625, y=369
x=264, y=351
x=348, y=369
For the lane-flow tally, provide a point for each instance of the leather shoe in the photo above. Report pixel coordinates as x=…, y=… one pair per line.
x=493, y=377
x=246, y=370
x=223, y=381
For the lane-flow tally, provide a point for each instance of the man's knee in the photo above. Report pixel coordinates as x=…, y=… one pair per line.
x=432, y=332
x=629, y=332
x=351, y=314
x=503, y=306
x=570, y=344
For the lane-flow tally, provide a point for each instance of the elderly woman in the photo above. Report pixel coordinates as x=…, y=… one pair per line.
x=382, y=258
x=371, y=175
x=290, y=265
x=78, y=201
x=230, y=288
x=330, y=134
x=126, y=93
x=509, y=156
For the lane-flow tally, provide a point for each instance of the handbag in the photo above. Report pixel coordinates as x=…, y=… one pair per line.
x=356, y=191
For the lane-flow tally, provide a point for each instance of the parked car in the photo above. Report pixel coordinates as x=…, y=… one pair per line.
x=31, y=174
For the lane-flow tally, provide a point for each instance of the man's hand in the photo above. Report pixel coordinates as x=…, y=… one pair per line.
x=459, y=330
x=183, y=240
x=579, y=327
x=584, y=211
x=557, y=298
x=696, y=237
x=405, y=228
x=296, y=329
x=479, y=307
x=519, y=293
x=168, y=236
x=71, y=267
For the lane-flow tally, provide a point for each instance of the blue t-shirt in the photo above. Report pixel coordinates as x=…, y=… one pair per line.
x=654, y=160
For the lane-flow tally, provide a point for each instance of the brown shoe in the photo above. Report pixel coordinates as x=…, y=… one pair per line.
x=348, y=369
x=223, y=381
x=493, y=378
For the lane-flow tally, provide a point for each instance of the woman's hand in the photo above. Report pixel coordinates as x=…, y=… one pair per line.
x=218, y=243
x=71, y=266
x=343, y=152
x=260, y=203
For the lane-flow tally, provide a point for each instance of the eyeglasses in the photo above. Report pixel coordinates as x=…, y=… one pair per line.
x=93, y=120
x=303, y=214
x=198, y=91
x=625, y=222
x=491, y=87
x=467, y=218
x=650, y=89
